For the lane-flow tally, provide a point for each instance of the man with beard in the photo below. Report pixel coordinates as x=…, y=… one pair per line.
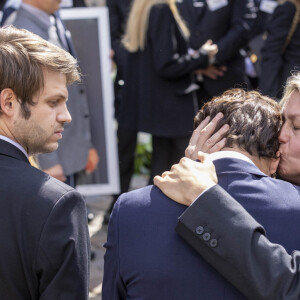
x=44, y=251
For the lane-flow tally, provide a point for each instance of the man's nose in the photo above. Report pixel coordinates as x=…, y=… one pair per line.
x=64, y=115
x=283, y=135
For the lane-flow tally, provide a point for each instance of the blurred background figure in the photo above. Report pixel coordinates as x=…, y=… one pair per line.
x=259, y=13
x=228, y=23
x=10, y=6
x=281, y=51
x=127, y=137
x=76, y=155
x=9, y=11
x=159, y=89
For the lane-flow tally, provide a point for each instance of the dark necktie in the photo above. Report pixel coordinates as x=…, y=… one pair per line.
x=64, y=35
x=6, y=13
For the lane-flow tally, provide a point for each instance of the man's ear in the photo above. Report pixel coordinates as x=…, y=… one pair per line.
x=8, y=101
x=274, y=163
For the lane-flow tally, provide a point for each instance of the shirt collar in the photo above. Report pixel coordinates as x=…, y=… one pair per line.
x=230, y=154
x=5, y=138
x=42, y=16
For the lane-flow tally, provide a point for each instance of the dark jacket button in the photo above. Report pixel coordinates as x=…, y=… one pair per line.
x=199, y=230
x=213, y=243
x=206, y=236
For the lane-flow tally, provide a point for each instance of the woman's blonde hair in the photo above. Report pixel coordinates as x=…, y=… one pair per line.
x=292, y=85
x=138, y=20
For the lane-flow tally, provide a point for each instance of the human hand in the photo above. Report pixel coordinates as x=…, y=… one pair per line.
x=203, y=138
x=209, y=48
x=188, y=179
x=92, y=162
x=57, y=172
x=212, y=71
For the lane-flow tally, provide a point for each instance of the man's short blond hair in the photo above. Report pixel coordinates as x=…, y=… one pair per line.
x=23, y=57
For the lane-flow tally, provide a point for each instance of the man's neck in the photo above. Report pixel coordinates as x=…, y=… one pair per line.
x=262, y=163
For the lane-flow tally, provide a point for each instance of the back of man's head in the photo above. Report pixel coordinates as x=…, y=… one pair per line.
x=24, y=56
x=254, y=121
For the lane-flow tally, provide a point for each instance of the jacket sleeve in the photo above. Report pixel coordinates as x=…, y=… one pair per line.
x=272, y=61
x=237, y=34
x=238, y=247
x=113, y=287
x=117, y=27
x=164, y=46
x=62, y=263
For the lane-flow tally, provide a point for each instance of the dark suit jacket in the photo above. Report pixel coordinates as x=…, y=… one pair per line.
x=44, y=239
x=2, y=2
x=118, y=13
x=156, y=97
x=146, y=260
x=276, y=66
x=258, y=268
x=226, y=27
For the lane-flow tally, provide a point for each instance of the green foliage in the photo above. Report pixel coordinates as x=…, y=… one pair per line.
x=143, y=154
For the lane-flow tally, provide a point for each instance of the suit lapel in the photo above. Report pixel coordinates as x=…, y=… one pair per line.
x=24, y=14
x=192, y=9
x=198, y=7
x=7, y=149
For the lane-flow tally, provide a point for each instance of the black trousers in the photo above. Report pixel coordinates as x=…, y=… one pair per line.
x=127, y=139
x=166, y=152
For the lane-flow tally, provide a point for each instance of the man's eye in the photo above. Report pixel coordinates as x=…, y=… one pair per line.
x=54, y=102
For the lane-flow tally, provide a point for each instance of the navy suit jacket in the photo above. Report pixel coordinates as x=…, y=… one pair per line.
x=44, y=252
x=146, y=259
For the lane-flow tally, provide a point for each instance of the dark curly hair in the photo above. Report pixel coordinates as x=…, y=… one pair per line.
x=255, y=120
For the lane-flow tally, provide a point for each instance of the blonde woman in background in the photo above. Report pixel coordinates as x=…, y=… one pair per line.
x=159, y=90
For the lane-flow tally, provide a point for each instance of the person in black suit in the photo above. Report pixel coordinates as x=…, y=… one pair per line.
x=226, y=23
x=260, y=16
x=281, y=51
x=44, y=240
x=127, y=137
x=2, y=2
x=159, y=88
x=251, y=262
